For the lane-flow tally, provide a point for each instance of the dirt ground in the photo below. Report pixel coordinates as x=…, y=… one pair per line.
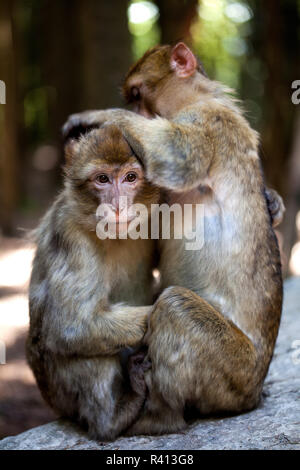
x=21, y=405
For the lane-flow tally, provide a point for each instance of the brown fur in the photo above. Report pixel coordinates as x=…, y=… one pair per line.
x=86, y=309
x=211, y=339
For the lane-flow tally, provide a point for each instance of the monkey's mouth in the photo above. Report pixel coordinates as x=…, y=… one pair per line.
x=117, y=221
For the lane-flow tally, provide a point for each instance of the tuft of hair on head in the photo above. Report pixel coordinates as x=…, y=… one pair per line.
x=76, y=131
x=105, y=143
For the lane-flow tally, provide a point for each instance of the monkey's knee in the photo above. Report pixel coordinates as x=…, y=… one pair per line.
x=171, y=306
x=173, y=293
x=215, y=362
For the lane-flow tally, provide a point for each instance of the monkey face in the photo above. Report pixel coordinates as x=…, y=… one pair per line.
x=117, y=187
x=101, y=169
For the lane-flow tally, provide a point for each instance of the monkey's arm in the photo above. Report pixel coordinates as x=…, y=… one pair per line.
x=176, y=155
x=70, y=309
x=105, y=332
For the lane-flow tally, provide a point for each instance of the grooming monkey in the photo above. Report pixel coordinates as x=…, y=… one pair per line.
x=89, y=298
x=213, y=329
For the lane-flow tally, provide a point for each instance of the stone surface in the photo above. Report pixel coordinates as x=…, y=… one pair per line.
x=274, y=425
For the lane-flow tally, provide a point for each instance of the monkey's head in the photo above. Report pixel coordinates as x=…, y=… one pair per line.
x=164, y=81
x=101, y=169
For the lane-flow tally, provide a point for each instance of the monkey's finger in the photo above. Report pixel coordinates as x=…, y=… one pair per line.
x=137, y=358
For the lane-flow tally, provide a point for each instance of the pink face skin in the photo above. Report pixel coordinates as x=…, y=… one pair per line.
x=110, y=183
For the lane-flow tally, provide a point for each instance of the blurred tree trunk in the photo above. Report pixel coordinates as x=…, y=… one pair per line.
x=86, y=55
x=275, y=40
x=106, y=52
x=280, y=53
x=176, y=17
x=61, y=60
x=9, y=157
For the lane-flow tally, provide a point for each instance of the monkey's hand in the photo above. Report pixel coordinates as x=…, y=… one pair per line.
x=275, y=205
x=123, y=326
x=81, y=123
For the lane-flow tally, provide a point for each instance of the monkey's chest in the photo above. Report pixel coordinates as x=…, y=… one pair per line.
x=130, y=280
x=195, y=261
x=133, y=289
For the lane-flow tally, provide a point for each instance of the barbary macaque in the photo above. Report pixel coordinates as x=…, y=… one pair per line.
x=213, y=329
x=90, y=298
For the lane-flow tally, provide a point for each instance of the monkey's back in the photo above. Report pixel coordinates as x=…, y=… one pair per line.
x=238, y=269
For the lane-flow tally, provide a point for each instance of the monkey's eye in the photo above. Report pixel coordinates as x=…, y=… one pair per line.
x=130, y=177
x=135, y=93
x=102, y=179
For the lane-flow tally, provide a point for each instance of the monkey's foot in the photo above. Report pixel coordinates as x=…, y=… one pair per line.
x=166, y=422
x=138, y=364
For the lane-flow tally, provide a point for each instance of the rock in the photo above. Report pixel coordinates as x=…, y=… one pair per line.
x=273, y=425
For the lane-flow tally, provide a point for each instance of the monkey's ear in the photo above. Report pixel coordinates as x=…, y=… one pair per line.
x=70, y=150
x=183, y=60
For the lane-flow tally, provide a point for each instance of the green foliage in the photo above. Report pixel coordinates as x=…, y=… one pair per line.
x=220, y=40
x=143, y=25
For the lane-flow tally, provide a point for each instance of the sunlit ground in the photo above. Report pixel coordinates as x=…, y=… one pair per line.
x=295, y=254
x=15, y=264
x=21, y=406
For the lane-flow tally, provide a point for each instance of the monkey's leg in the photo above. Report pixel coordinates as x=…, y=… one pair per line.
x=198, y=358
x=155, y=404
x=157, y=417
x=99, y=395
